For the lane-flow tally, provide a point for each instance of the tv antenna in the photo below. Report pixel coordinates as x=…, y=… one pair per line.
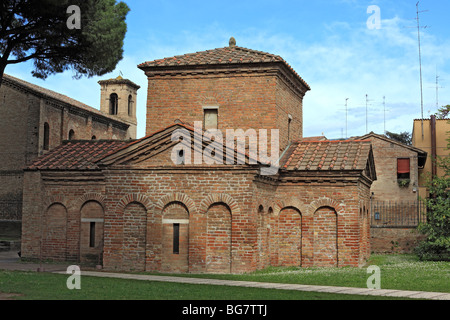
x=384, y=112
x=437, y=89
x=367, y=113
x=346, y=117
x=420, y=60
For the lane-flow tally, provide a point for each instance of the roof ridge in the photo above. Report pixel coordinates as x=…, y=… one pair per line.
x=221, y=56
x=52, y=94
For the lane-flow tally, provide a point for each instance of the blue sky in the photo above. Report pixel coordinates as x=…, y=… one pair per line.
x=326, y=41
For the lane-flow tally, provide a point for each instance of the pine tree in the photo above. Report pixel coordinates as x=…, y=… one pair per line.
x=42, y=31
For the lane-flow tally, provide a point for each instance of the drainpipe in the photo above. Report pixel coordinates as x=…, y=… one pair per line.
x=433, y=147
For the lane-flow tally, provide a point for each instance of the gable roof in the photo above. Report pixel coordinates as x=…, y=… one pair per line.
x=316, y=138
x=329, y=155
x=94, y=154
x=159, y=141
x=53, y=95
x=76, y=155
x=221, y=56
x=422, y=155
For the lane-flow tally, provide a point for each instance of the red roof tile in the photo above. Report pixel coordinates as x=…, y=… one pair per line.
x=316, y=138
x=76, y=155
x=327, y=155
x=220, y=56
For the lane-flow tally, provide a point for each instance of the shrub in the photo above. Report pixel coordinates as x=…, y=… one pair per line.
x=436, y=246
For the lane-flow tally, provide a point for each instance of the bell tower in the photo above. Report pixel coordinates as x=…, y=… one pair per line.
x=118, y=98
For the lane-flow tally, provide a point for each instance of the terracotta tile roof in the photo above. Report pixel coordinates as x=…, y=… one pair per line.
x=220, y=56
x=316, y=138
x=327, y=155
x=120, y=80
x=76, y=155
x=144, y=148
x=88, y=154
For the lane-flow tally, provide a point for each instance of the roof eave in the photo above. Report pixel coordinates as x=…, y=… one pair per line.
x=151, y=71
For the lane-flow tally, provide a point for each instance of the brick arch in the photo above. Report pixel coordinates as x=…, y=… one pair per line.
x=326, y=237
x=134, y=197
x=54, y=232
x=55, y=199
x=176, y=197
x=339, y=208
x=264, y=203
x=91, y=196
x=72, y=127
x=220, y=198
x=293, y=203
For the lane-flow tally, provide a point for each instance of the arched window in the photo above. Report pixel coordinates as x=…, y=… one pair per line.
x=113, y=103
x=130, y=105
x=46, y=136
x=71, y=135
x=94, y=138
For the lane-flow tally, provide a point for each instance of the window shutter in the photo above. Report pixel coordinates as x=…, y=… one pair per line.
x=402, y=165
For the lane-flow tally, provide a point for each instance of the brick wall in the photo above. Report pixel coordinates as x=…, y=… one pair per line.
x=91, y=232
x=134, y=236
x=325, y=237
x=175, y=259
x=289, y=237
x=395, y=240
x=386, y=187
x=228, y=222
x=289, y=103
x=14, y=149
x=245, y=101
x=32, y=215
x=44, y=191
x=331, y=223
x=24, y=114
x=163, y=191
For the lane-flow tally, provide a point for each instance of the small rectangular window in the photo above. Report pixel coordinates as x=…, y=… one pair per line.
x=210, y=118
x=176, y=238
x=92, y=235
x=46, y=136
x=403, y=170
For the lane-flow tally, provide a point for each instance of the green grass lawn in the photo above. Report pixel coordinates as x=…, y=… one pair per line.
x=397, y=272
x=401, y=271
x=46, y=286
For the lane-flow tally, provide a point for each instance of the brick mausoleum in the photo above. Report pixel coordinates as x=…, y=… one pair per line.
x=128, y=206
